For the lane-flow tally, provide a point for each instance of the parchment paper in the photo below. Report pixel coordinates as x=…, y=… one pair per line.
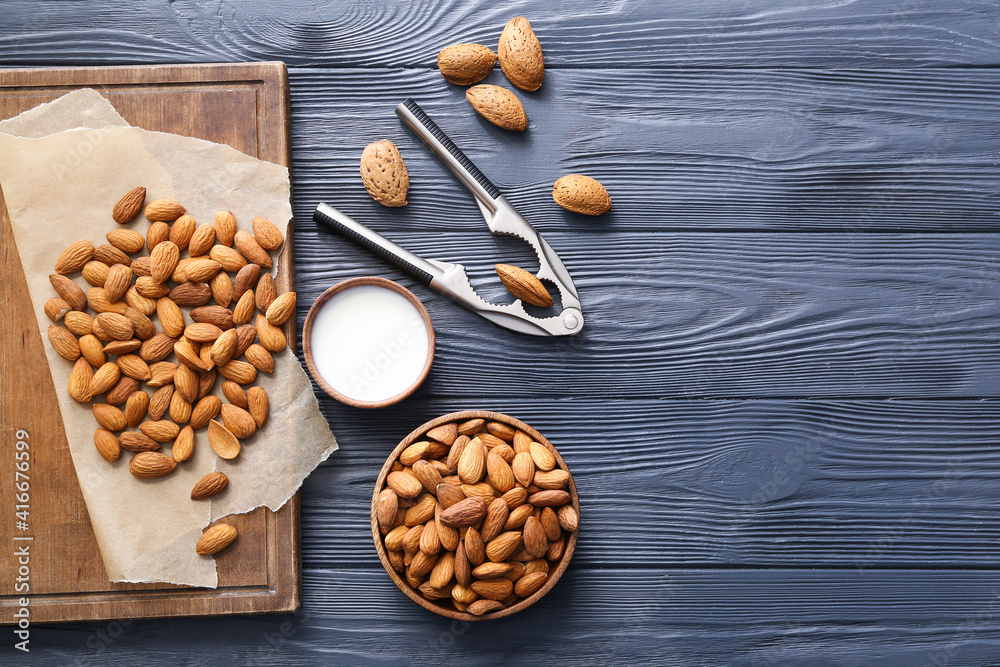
x=60, y=188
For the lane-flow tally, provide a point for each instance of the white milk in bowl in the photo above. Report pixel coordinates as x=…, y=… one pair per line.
x=370, y=343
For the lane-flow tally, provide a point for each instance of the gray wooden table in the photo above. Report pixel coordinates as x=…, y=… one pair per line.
x=782, y=413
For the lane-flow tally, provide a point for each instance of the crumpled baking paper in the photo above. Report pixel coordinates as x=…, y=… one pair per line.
x=63, y=165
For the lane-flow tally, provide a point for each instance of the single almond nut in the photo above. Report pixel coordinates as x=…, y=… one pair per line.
x=75, y=257
x=64, y=343
x=281, y=309
x=465, y=64
x=553, y=479
x=186, y=381
x=543, y=458
x=384, y=173
x=202, y=332
x=246, y=279
x=271, y=337
x=79, y=381
x=481, y=607
x=163, y=210
x=117, y=326
x=529, y=584
x=249, y=248
x=549, y=498
x=524, y=285
x=119, y=393
x=136, y=407
x=523, y=468
x=69, y=291
x=238, y=421
x=260, y=358
x=581, y=194
x=202, y=240
x=163, y=260
x=222, y=440
x=95, y=273
x=110, y=255
x=267, y=234
x=535, y=541
x=234, y=394
x=499, y=473
x=493, y=589
x=92, y=350
x=520, y=55
x=472, y=463
x=465, y=513
x=151, y=464
x=107, y=444
x=78, y=323
x=229, y=258
x=238, y=371
x=140, y=267
x=215, y=539
x=182, y=230
x=216, y=315
x=127, y=240
x=180, y=409
x=157, y=233
x=161, y=431
x=224, y=347
x=404, y=484
x=265, y=292
x=446, y=433
x=386, y=507
x=161, y=398
x=122, y=346
x=133, y=366
x=200, y=270
x=496, y=519
x=503, y=546
x=498, y=105
x=171, y=317
x=550, y=524
x=225, y=227
x=244, y=307
x=568, y=518
x=104, y=378
x=109, y=417
x=471, y=426
x=157, y=348
x=490, y=570
x=209, y=485
x=222, y=289
x=144, y=305
x=205, y=410
x=191, y=294
x=129, y=206
x=518, y=516
x=449, y=494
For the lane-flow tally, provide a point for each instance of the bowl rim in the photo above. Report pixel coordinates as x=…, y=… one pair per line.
x=402, y=584
x=362, y=282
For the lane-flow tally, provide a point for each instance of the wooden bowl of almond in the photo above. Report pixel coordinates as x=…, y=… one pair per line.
x=475, y=515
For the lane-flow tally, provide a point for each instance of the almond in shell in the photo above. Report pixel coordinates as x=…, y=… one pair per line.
x=498, y=105
x=520, y=55
x=581, y=194
x=384, y=173
x=465, y=64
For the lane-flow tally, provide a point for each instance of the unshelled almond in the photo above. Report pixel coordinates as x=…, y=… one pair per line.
x=384, y=173
x=136, y=407
x=163, y=210
x=95, y=273
x=238, y=371
x=520, y=55
x=122, y=389
x=261, y=359
x=129, y=206
x=92, y=350
x=498, y=105
x=229, y=258
x=109, y=417
x=133, y=366
x=79, y=381
x=162, y=431
x=404, y=484
x=209, y=485
x=465, y=64
x=206, y=409
x=215, y=539
x=157, y=233
x=224, y=346
x=500, y=475
x=182, y=230
x=191, y=294
x=202, y=332
x=235, y=394
x=465, y=513
x=157, y=348
x=104, y=378
x=151, y=464
x=581, y=194
x=496, y=519
x=472, y=463
x=222, y=289
x=265, y=293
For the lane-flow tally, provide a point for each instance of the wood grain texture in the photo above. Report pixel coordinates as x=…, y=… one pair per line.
x=717, y=387
x=844, y=484
x=744, y=150
x=658, y=616
x=260, y=572
x=573, y=33
x=683, y=315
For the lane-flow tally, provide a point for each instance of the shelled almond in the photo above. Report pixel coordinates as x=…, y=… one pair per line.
x=138, y=335
x=470, y=523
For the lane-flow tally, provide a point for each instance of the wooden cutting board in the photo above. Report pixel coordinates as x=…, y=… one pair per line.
x=245, y=106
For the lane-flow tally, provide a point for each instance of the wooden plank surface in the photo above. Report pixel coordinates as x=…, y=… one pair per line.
x=261, y=572
x=782, y=413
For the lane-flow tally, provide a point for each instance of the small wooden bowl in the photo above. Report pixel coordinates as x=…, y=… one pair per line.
x=337, y=289
x=415, y=595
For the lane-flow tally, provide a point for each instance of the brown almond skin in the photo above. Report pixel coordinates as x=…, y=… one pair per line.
x=209, y=485
x=498, y=105
x=581, y=194
x=465, y=513
x=465, y=64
